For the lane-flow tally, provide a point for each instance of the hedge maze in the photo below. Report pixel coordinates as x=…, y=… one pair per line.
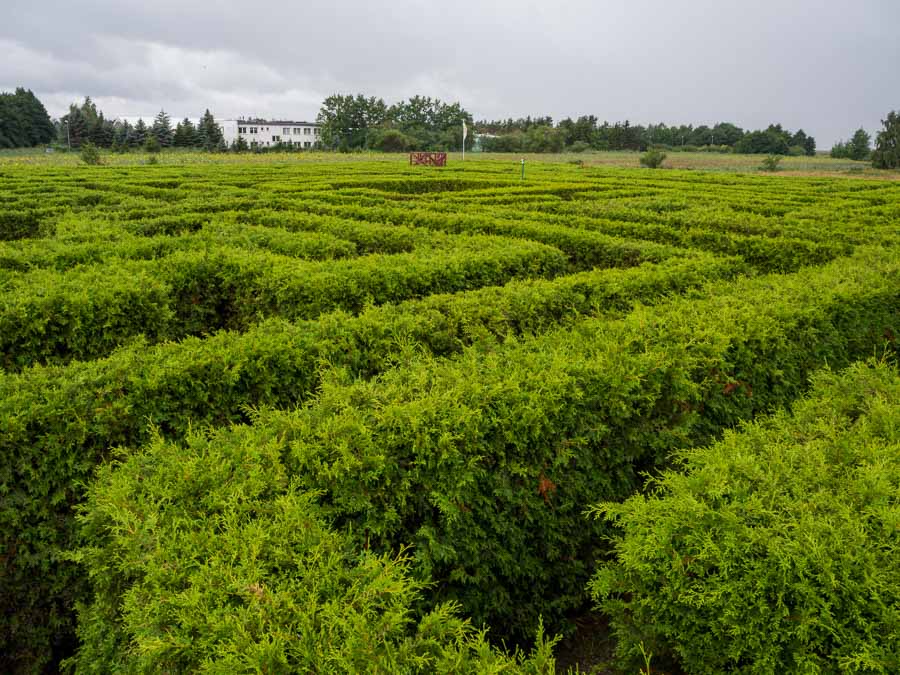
x=363, y=416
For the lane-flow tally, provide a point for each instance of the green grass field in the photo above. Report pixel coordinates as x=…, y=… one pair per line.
x=821, y=164
x=286, y=413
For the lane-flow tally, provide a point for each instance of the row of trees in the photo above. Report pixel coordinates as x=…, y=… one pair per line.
x=420, y=123
x=885, y=155
x=541, y=135
x=85, y=123
x=858, y=147
x=24, y=122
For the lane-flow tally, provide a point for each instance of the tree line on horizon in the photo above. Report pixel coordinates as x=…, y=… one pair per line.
x=87, y=124
x=540, y=134
x=368, y=123
x=356, y=122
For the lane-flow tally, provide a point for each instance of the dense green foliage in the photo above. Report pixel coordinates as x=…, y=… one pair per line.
x=770, y=163
x=539, y=134
x=419, y=123
x=887, y=144
x=859, y=147
x=653, y=158
x=52, y=317
x=90, y=155
x=437, y=370
x=86, y=123
x=485, y=463
x=24, y=121
x=229, y=568
x=775, y=550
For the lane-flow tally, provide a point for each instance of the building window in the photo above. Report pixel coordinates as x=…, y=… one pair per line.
x=296, y=131
x=286, y=131
x=242, y=130
x=317, y=131
x=275, y=139
x=307, y=144
x=252, y=130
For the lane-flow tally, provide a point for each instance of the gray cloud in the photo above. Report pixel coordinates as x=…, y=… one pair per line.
x=828, y=67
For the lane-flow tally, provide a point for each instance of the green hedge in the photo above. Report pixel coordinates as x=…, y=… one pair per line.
x=212, y=562
x=486, y=463
x=586, y=249
x=582, y=237
x=67, y=251
x=21, y=223
x=368, y=237
x=235, y=290
x=47, y=316
x=55, y=317
x=775, y=550
x=57, y=423
x=765, y=253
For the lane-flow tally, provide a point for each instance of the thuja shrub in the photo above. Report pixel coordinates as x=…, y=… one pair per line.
x=63, y=253
x=368, y=237
x=51, y=417
x=765, y=253
x=585, y=248
x=486, y=463
x=20, y=223
x=775, y=550
x=54, y=317
x=212, y=561
x=48, y=317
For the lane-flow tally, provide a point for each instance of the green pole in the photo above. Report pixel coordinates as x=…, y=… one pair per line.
x=523, y=168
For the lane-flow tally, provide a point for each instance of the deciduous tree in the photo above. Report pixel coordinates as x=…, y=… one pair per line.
x=887, y=145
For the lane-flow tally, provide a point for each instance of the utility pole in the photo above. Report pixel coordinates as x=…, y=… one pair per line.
x=68, y=136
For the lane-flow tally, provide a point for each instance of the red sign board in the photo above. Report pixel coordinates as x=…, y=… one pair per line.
x=428, y=158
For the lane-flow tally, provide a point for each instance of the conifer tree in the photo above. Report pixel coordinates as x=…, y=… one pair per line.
x=162, y=129
x=859, y=145
x=139, y=134
x=185, y=134
x=209, y=134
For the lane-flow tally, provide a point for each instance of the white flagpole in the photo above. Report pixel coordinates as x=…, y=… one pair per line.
x=465, y=131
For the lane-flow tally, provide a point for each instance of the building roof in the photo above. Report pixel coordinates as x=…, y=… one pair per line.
x=276, y=123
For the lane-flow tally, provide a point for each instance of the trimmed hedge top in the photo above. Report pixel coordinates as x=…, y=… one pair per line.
x=776, y=550
x=210, y=561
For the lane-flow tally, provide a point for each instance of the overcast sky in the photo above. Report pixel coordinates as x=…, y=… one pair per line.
x=829, y=66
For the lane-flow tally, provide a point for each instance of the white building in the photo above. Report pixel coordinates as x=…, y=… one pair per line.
x=267, y=133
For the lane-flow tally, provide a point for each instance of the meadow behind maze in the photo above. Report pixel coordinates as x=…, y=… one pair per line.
x=263, y=416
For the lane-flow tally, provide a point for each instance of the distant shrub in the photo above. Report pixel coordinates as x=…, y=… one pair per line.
x=770, y=163
x=722, y=149
x=796, y=151
x=840, y=150
x=152, y=145
x=579, y=146
x=153, y=159
x=775, y=550
x=392, y=140
x=653, y=158
x=90, y=154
